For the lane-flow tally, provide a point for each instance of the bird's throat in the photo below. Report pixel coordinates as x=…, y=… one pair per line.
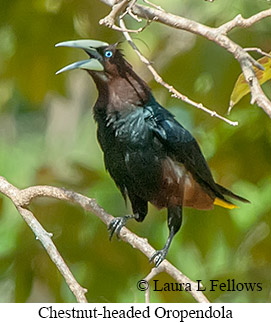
x=119, y=93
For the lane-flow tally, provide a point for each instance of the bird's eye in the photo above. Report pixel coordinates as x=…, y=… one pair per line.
x=108, y=53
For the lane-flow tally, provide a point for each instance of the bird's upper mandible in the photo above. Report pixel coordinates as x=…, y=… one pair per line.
x=102, y=56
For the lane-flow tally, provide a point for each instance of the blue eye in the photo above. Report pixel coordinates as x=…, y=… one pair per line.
x=108, y=53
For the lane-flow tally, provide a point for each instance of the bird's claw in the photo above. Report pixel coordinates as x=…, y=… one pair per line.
x=158, y=257
x=116, y=225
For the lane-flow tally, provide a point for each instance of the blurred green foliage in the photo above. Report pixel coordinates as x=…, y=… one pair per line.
x=47, y=136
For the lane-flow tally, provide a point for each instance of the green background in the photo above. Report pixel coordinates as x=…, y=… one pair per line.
x=48, y=136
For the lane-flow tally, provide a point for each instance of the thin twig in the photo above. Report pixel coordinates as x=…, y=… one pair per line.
x=170, y=88
x=153, y=5
x=136, y=31
x=129, y=11
x=258, y=50
x=109, y=20
x=219, y=36
x=154, y=272
x=117, y=8
x=22, y=198
x=18, y=197
x=241, y=22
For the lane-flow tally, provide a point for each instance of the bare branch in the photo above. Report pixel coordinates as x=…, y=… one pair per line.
x=155, y=271
x=117, y=8
x=19, y=199
x=129, y=11
x=153, y=5
x=219, y=36
x=170, y=88
x=241, y=22
x=258, y=50
x=258, y=97
x=22, y=198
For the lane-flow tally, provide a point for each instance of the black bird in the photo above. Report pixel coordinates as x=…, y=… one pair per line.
x=150, y=156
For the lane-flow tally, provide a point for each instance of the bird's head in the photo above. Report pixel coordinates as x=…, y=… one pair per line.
x=109, y=70
x=104, y=60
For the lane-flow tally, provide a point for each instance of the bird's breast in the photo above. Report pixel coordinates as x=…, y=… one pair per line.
x=132, y=153
x=131, y=127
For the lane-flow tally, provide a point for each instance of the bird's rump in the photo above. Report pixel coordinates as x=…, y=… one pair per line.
x=178, y=187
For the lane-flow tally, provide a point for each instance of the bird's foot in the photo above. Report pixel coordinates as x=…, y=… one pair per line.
x=116, y=225
x=159, y=256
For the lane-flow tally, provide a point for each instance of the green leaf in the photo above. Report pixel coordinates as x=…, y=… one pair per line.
x=241, y=88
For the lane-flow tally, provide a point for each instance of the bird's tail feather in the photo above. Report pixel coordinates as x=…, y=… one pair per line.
x=224, y=203
x=225, y=191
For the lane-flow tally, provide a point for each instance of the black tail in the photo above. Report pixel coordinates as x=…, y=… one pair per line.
x=225, y=191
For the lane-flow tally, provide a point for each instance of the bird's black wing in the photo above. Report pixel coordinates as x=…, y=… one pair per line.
x=182, y=147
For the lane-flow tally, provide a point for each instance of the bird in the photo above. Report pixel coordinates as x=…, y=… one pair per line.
x=151, y=157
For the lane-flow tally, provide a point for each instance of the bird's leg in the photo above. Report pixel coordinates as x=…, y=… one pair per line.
x=174, y=224
x=116, y=224
x=140, y=210
x=160, y=255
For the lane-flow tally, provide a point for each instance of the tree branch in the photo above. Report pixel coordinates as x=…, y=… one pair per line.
x=241, y=22
x=217, y=35
x=170, y=88
x=22, y=198
x=117, y=8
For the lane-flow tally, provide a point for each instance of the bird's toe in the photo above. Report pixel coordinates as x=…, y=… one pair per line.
x=115, y=226
x=158, y=257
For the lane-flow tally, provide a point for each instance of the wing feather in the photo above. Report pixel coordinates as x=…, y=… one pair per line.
x=182, y=147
